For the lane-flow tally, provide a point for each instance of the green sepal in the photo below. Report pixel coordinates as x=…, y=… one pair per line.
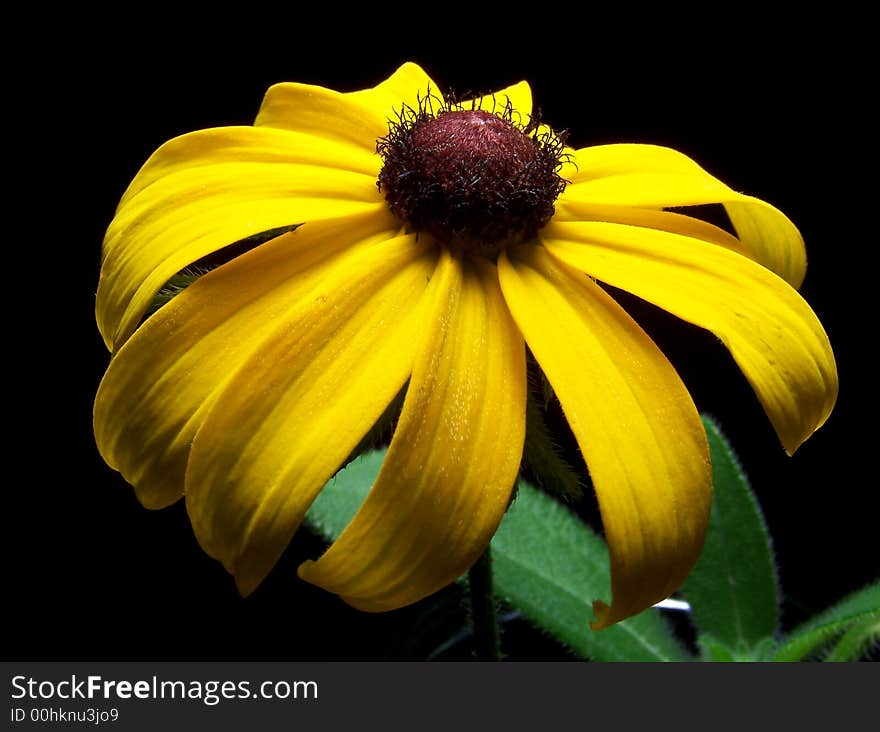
x=183, y=279
x=733, y=588
x=542, y=458
x=171, y=289
x=862, y=606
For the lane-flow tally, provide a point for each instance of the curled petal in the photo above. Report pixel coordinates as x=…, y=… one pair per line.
x=774, y=336
x=650, y=176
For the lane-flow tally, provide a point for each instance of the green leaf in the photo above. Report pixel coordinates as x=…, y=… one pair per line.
x=860, y=606
x=550, y=566
x=547, y=564
x=713, y=650
x=733, y=588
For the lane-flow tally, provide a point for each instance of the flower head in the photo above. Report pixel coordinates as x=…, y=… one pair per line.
x=421, y=244
x=473, y=179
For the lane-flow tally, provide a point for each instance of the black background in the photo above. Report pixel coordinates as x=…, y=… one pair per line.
x=94, y=575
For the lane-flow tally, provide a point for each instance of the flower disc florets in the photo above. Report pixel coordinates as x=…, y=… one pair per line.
x=474, y=179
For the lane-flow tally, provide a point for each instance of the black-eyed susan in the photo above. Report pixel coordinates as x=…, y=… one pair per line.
x=434, y=240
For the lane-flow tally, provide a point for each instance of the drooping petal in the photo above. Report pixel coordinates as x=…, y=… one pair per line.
x=203, y=191
x=634, y=421
x=447, y=477
x=653, y=176
x=774, y=336
x=294, y=411
x=160, y=384
x=358, y=118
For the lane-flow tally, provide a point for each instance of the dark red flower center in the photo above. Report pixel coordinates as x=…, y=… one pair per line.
x=472, y=179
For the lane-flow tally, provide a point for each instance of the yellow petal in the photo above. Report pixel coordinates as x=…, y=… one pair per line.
x=634, y=421
x=357, y=118
x=407, y=85
x=663, y=220
x=448, y=475
x=295, y=410
x=161, y=383
x=518, y=95
x=210, y=189
x=773, y=335
x=652, y=176
x=180, y=155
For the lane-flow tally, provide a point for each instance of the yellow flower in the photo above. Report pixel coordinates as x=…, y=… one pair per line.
x=249, y=390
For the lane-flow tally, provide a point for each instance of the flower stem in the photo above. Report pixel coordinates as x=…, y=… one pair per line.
x=486, y=640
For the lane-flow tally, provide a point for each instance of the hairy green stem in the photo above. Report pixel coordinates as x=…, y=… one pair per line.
x=487, y=643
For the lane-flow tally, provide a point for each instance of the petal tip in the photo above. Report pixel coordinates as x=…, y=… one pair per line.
x=155, y=500
x=305, y=570
x=246, y=583
x=409, y=66
x=603, y=616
